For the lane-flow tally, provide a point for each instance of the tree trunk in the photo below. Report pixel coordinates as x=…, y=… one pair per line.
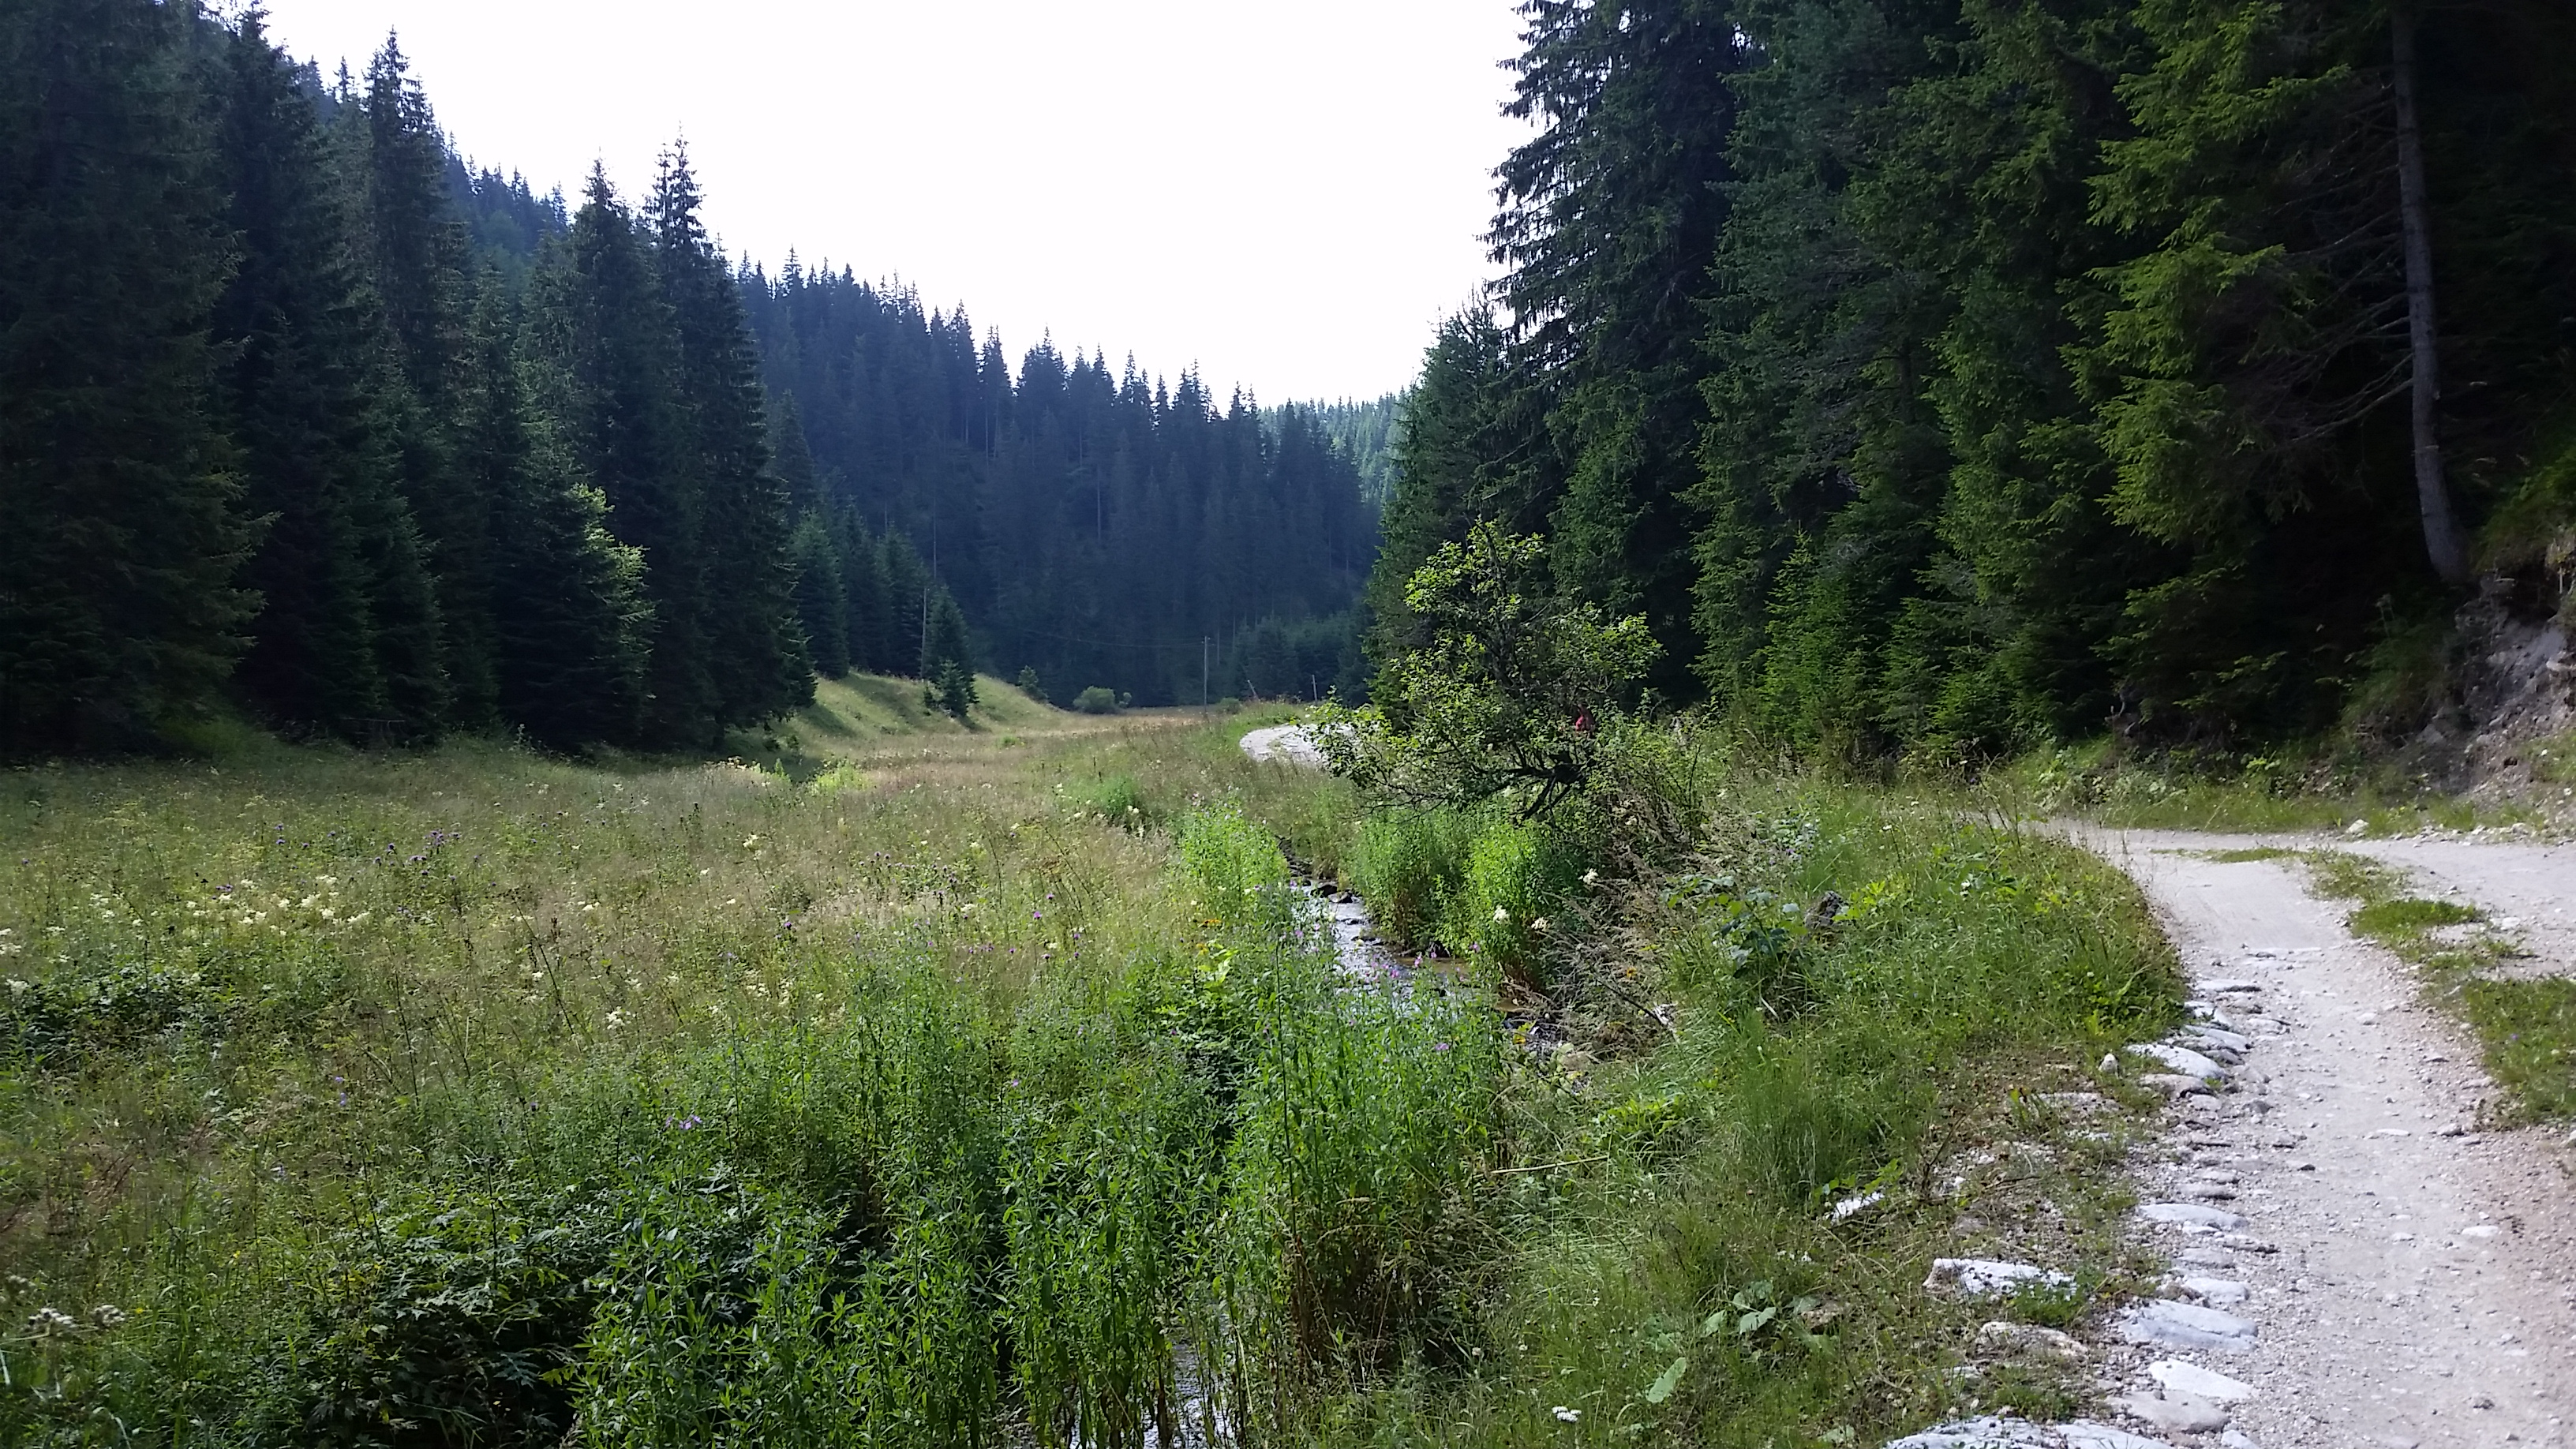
x=2432, y=496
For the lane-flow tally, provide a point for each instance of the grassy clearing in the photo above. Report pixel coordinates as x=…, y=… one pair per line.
x=949, y=1086
x=2526, y=1029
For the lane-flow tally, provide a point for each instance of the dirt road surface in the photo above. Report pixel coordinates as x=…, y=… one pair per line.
x=2409, y=1273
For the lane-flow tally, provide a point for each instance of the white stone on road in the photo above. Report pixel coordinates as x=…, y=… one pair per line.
x=2384, y=1319
x=2184, y=1377
x=1987, y=1278
x=2185, y=1325
x=2191, y=1214
x=2001, y=1433
x=2182, y=1059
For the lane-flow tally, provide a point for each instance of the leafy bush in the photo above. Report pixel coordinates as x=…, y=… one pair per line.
x=1516, y=877
x=1096, y=700
x=1408, y=865
x=1355, y=1233
x=1510, y=695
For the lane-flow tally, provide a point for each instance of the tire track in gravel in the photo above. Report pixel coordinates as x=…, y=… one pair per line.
x=2411, y=1278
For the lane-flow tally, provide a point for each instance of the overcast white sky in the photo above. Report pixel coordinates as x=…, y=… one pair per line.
x=1287, y=194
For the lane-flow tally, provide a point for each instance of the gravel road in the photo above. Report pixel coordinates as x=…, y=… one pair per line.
x=2410, y=1278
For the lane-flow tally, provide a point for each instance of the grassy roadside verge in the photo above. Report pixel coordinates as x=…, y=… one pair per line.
x=967, y=1086
x=2526, y=1029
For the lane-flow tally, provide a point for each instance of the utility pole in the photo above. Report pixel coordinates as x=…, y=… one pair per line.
x=1203, y=671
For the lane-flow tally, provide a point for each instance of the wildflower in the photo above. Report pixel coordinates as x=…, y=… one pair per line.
x=1592, y=877
x=967, y=909
x=46, y=1322
x=18, y=987
x=107, y=1315
x=616, y=1019
x=1539, y=925
x=1440, y=1046
x=1502, y=916
x=1565, y=1415
x=750, y=841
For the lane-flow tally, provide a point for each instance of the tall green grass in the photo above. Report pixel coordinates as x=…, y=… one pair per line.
x=963, y=1093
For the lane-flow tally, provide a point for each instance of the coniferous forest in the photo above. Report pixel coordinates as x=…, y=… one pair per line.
x=1948, y=377
x=301, y=415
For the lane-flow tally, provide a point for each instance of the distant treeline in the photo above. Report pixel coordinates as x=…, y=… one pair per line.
x=1097, y=527
x=301, y=414
x=1946, y=374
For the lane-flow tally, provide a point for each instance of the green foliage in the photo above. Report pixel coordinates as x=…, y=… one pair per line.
x=120, y=528
x=851, y=1114
x=1510, y=695
x=1408, y=865
x=1096, y=699
x=2529, y=1028
x=1938, y=381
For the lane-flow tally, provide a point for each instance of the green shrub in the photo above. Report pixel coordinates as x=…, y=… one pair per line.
x=1239, y=867
x=1096, y=700
x=1409, y=865
x=1516, y=877
x=1355, y=1230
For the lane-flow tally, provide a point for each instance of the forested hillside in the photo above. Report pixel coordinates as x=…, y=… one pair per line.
x=1941, y=376
x=1099, y=527
x=301, y=415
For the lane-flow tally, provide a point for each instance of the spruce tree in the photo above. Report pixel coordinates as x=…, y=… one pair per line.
x=868, y=612
x=907, y=587
x=600, y=323
x=340, y=568
x=822, y=603
x=572, y=625
x=755, y=649
x=416, y=250
x=117, y=543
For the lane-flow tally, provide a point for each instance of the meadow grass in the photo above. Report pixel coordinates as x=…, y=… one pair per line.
x=941, y=1085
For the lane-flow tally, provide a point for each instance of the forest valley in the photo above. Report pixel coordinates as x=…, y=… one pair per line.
x=308, y=419
x=530, y=915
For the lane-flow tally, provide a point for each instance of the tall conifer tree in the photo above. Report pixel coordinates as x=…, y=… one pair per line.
x=117, y=544
x=347, y=599
x=601, y=321
x=755, y=649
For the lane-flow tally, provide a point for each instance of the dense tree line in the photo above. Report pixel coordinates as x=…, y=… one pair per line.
x=1094, y=526
x=1947, y=374
x=301, y=413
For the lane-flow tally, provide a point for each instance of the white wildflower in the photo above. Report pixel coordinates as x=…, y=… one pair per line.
x=1502, y=916
x=616, y=1019
x=1565, y=1415
x=18, y=987
x=46, y=1322
x=1592, y=877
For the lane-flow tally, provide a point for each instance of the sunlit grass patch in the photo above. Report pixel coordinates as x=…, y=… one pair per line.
x=2529, y=1030
x=2409, y=915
